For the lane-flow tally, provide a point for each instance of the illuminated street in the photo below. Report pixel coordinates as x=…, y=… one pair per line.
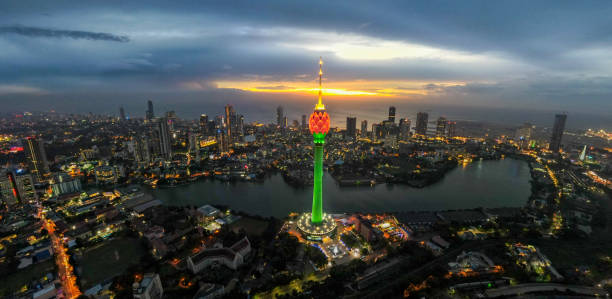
x=65, y=269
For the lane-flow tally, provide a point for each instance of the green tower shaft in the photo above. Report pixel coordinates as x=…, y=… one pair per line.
x=317, y=193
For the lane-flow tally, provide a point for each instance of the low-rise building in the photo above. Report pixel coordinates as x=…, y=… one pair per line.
x=150, y=287
x=231, y=257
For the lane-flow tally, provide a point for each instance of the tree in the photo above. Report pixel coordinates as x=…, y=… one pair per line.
x=316, y=256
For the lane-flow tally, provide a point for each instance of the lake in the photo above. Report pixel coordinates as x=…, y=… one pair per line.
x=489, y=184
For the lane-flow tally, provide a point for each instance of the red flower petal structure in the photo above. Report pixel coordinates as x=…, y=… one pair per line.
x=319, y=122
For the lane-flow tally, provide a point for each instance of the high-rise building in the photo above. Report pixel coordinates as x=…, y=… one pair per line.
x=17, y=186
x=304, y=123
x=121, y=114
x=451, y=131
x=317, y=224
x=280, y=117
x=37, y=158
x=194, y=142
x=441, y=127
x=171, y=118
x=240, y=126
x=557, y=132
x=161, y=142
x=376, y=132
x=150, y=114
x=351, y=127
x=230, y=121
x=364, y=128
x=8, y=190
x=142, y=149
x=219, y=121
x=421, y=123
x=211, y=128
x=285, y=122
x=204, y=124
x=404, y=128
x=392, y=114
x=222, y=141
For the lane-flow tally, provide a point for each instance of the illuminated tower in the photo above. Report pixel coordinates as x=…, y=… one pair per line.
x=316, y=224
x=319, y=126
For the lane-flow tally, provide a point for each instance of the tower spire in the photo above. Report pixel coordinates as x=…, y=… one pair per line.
x=320, y=105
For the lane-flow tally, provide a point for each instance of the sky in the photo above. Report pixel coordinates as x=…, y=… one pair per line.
x=195, y=56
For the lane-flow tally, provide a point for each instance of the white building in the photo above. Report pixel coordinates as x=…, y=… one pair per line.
x=149, y=287
x=231, y=257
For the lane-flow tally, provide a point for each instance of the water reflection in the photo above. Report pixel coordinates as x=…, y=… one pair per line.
x=478, y=184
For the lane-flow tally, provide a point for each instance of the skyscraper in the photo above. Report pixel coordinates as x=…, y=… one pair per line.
x=364, y=128
x=240, y=125
x=404, y=128
x=171, y=118
x=37, y=158
x=451, y=129
x=316, y=224
x=150, y=114
x=194, y=144
x=142, y=149
x=421, y=123
x=280, y=117
x=441, y=127
x=204, y=124
x=392, y=114
x=222, y=141
x=230, y=121
x=304, y=123
x=376, y=132
x=351, y=127
x=161, y=142
x=17, y=187
x=121, y=114
x=557, y=132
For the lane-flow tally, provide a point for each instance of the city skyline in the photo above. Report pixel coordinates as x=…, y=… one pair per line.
x=156, y=149
x=377, y=57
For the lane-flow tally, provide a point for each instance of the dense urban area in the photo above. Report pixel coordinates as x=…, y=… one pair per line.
x=78, y=218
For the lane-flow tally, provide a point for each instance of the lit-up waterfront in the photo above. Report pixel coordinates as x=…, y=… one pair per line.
x=479, y=184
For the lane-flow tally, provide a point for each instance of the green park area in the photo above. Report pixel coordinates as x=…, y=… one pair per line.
x=252, y=226
x=108, y=260
x=566, y=255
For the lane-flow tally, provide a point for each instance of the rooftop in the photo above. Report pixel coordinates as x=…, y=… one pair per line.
x=208, y=210
x=213, y=252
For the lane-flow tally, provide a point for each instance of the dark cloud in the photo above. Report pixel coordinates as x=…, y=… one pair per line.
x=541, y=54
x=57, y=33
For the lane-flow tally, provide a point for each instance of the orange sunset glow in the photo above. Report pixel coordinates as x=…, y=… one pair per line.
x=346, y=88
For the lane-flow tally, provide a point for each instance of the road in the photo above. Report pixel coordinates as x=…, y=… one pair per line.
x=65, y=269
x=522, y=289
x=377, y=289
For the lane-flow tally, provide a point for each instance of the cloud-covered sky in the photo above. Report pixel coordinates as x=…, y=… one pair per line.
x=545, y=55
